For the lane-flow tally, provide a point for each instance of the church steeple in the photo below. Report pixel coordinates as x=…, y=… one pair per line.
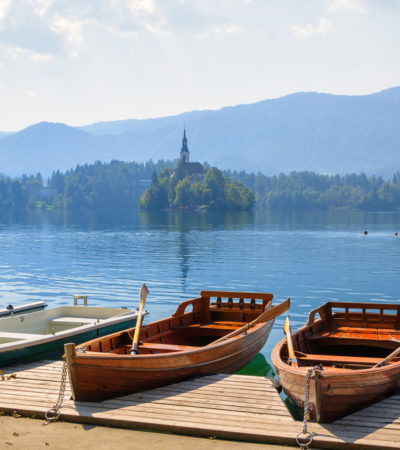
x=184, y=156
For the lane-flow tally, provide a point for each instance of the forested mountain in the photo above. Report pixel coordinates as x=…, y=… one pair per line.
x=304, y=132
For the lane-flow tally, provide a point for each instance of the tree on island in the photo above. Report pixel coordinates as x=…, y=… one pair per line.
x=174, y=190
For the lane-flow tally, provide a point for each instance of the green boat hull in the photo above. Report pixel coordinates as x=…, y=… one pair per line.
x=55, y=348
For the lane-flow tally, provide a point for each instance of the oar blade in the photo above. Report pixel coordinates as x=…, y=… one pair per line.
x=288, y=332
x=286, y=326
x=143, y=294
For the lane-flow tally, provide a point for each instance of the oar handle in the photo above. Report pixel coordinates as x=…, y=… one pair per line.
x=388, y=358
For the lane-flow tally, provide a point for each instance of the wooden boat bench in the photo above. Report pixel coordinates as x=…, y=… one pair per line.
x=73, y=320
x=154, y=348
x=219, y=328
x=337, y=359
x=20, y=336
x=352, y=335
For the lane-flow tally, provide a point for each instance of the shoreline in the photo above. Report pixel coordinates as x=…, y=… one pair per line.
x=24, y=433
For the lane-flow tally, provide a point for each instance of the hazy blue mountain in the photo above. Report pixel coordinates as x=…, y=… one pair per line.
x=45, y=147
x=303, y=131
x=5, y=133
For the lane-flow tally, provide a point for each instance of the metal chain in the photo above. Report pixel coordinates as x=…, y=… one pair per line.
x=305, y=435
x=53, y=413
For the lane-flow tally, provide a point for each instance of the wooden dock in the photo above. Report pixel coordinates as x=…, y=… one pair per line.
x=234, y=407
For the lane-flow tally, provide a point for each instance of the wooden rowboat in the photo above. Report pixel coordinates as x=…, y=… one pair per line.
x=354, y=346
x=203, y=336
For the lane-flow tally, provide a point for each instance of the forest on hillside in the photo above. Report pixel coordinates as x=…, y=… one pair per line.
x=120, y=185
x=310, y=190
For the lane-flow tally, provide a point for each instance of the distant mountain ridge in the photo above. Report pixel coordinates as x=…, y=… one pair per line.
x=304, y=131
x=5, y=133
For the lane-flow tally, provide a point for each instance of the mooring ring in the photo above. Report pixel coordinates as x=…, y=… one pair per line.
x=52, y=414
x=306, y=435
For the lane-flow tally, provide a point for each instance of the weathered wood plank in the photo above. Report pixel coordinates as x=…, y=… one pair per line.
x=235, y=407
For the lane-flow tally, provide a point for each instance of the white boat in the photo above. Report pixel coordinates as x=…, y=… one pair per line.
x=42, y=334
x=25, y=308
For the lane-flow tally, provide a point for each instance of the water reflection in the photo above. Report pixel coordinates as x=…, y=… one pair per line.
x=310, y=257
x=185, y=221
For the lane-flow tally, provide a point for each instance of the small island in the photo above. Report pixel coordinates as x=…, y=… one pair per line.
x=190, y=186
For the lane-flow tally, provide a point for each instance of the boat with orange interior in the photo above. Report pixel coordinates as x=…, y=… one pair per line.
x=218, y=332
x=351, y=354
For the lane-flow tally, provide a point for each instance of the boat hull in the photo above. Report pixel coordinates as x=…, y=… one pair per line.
x=201, y=338
x=54, y=348
x=339, y=393
x=97, y=378
x=348, y=344
x=42, y=334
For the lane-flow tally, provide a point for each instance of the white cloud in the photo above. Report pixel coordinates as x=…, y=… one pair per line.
x=347, y=5
x=72, y=32
x=226, y=28
x=139, y=6
x=40, y=7
x=31, y=94
x=158, y=29
x=40, y=57
x=322, y=27
x=4, y=5
x=15, y=52
x=135, y=6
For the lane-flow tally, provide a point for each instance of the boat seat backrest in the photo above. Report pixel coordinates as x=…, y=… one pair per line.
x=366, y=315
x=199, y=306
x=245, y=300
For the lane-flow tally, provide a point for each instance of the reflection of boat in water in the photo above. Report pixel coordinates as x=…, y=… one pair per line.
x=42, y=334
x=202, y=337
x=258, y=366
x=350, y=355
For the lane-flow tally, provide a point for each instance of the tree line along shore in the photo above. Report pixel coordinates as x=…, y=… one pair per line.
x=161, y=185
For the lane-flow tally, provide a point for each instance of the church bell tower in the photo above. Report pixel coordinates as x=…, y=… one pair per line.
x=184, y=156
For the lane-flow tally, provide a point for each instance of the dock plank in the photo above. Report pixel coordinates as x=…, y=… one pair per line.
x=238, y=407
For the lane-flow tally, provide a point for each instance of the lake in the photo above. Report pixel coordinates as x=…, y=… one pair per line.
x=309, y=257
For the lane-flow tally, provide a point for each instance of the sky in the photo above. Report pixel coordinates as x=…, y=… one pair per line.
x=83, y=61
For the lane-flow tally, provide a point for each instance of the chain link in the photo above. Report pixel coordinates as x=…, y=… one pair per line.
x=53, y=413
x=305, y=436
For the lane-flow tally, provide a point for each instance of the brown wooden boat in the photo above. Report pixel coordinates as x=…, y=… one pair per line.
x=218, y=332
x=355, y=346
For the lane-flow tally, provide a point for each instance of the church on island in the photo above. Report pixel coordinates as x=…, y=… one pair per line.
x=193, y=170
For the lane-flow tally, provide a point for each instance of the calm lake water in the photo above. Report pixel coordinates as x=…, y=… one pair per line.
x=310, y=257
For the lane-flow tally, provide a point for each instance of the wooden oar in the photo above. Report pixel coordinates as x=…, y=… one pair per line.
x=388, y=358
x=142, y=299
x=267, y=315
x=288, y=332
